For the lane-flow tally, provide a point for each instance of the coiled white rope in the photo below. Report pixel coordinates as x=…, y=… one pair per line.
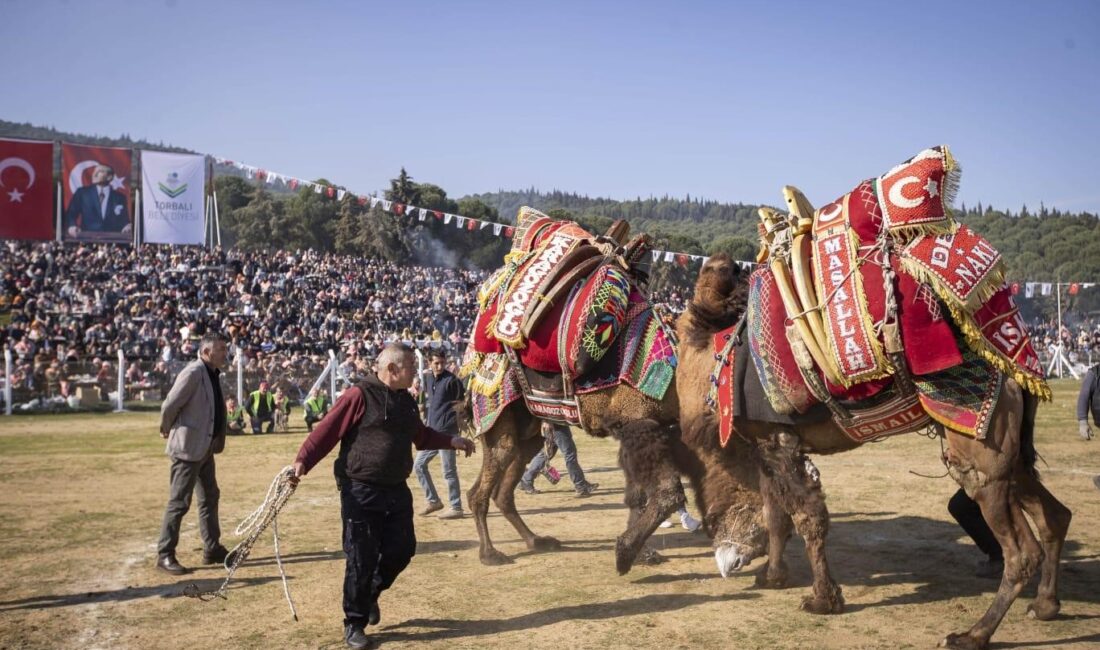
x=278, y=493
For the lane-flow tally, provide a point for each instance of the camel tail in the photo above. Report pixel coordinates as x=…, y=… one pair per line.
x=1028, y=455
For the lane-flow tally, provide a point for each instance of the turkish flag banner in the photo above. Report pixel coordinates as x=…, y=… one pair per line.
x=95, y=185
x=26, y=190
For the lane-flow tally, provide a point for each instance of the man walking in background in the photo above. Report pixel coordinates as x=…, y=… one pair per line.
x=193, y=420
x=441, y=391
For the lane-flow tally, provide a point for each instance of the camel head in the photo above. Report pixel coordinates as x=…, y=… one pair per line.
x=719, y=299
x=740, y=531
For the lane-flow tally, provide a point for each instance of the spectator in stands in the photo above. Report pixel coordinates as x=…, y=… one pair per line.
x=261, y=408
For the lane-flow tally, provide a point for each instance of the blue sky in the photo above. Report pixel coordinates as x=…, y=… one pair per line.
x=723, y=100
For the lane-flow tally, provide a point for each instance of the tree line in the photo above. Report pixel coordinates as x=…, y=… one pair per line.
x=1044, y=246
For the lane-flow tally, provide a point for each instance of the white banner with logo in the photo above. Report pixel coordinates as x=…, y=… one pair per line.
x=172, y=205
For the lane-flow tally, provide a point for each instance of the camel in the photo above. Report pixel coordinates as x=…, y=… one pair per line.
x=772, y=487
x=651, y=455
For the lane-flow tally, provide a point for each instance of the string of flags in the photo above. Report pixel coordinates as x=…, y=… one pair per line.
x=1032, y=289
x=422, y=214
x=1028, y=289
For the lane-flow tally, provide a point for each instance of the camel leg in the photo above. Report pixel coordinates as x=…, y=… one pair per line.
x=800, y=496
x=653, y=489
x=1021, y=558
x=779, y=526
x=499, y=449
x=1052, y=519
x=505, y=496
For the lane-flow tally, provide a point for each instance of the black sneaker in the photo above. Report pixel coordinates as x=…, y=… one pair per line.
x=374, y=615
x=529, y=488
x=586, y=490
x=355, y=637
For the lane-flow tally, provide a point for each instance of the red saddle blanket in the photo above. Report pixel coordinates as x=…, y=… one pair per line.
x=947, y=279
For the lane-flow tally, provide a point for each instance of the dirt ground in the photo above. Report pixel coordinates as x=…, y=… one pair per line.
x=84, y=496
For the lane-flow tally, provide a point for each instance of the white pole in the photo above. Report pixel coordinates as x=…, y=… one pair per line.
x=321, y=378
x=7, y=382
x=138, y=234
x=1059, y=338
x=217, y=219
x=121, y=381
x=60, y=225
x=332, y=376
x=240, y=376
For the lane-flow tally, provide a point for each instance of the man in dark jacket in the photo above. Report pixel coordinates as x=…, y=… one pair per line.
x=375, y=423
x=1088, y=401
x=441, y=391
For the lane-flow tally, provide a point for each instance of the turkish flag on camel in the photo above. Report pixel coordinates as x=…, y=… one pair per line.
x=26, y=190
x=95, y=185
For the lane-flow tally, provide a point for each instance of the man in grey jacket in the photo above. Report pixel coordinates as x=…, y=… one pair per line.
x=193, y=420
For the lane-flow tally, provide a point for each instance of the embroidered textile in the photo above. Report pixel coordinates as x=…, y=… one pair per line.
x=768, y=346
x=928, y=337
x=839, y=276
x=917, y=194
x=962, y=266
x=722, y=384
x=487, y=408
x=489, y=373
x=649, y=354
x=516, y=299
x=962, y=397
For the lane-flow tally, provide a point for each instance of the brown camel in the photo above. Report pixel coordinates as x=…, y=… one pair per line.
x=650, y=454
x=772, y=487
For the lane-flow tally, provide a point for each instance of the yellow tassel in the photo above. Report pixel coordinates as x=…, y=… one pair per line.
x=974, y=338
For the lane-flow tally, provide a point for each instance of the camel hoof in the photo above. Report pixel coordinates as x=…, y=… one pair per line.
x=1044, y=610
x=765, y=580
x=495, y=558
x=962, y=642
x=815, y=605
x=544, y=544
x=651, y=557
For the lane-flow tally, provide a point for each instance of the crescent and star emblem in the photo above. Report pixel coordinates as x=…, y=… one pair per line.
x=899, y=199
x=76, y=176
x=15, y=196
x=825, y=216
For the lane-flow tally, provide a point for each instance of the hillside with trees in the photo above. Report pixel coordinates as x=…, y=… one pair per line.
x=1043, y=246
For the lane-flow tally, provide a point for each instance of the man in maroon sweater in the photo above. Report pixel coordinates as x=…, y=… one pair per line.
x=376, y=424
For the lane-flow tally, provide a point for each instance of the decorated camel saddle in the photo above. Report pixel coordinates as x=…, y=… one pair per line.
x=565, y=315
x=882, y=307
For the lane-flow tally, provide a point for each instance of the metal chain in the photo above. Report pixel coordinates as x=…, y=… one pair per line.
x=278, y=493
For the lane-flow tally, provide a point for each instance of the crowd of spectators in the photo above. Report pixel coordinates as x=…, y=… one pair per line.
x=71, y=309
x=1080, y=340
x=67, y=310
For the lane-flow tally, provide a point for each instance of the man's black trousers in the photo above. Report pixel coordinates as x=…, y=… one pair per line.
x=379, y=542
